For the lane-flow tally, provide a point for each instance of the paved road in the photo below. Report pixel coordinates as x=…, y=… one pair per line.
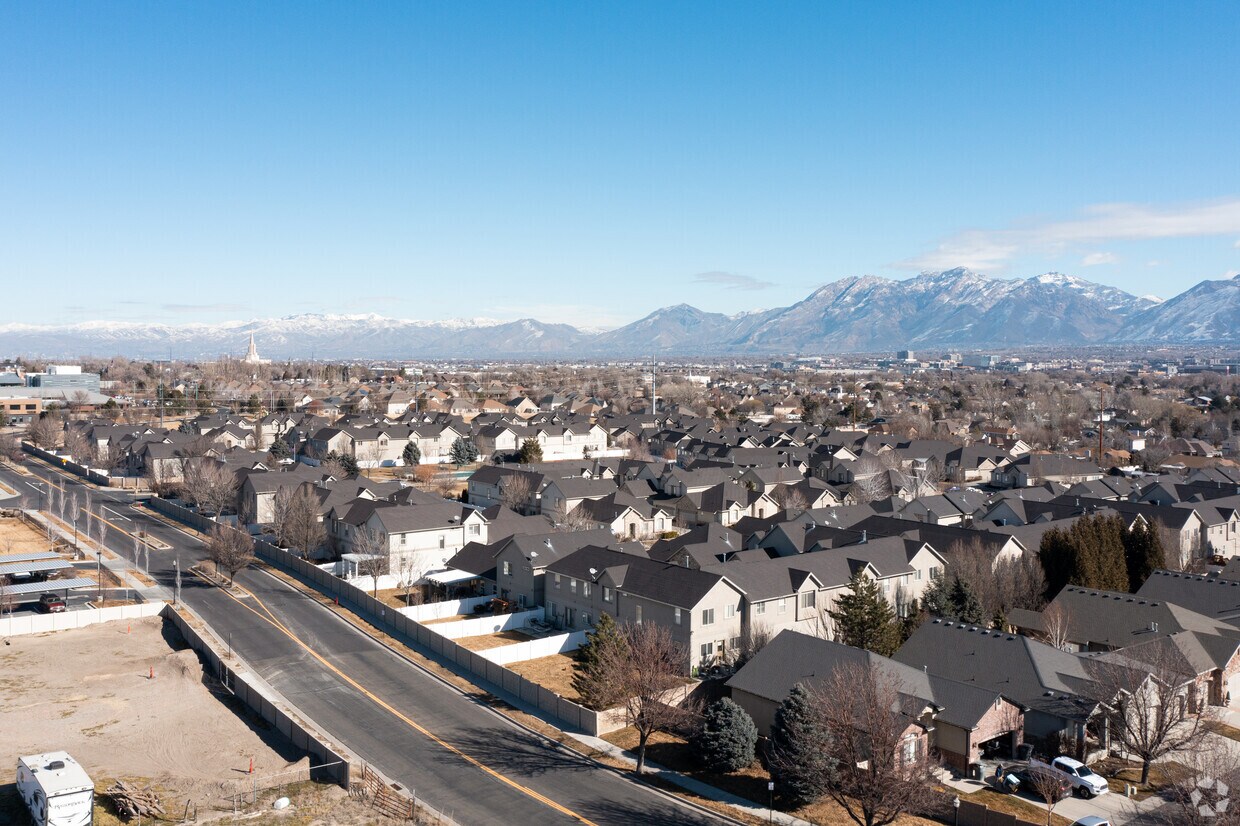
x=473, y=764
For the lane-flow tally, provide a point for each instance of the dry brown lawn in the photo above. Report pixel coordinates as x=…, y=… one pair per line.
x=1010, y=804
x=1162, y=775
x=485, y=641
x=554, y=673
x=17, y=537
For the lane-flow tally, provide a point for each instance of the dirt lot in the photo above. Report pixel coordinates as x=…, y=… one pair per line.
x=554, y=673
x=17, y=537
x=88, y=691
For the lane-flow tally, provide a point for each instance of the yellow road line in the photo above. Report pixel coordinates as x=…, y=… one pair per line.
x=272, y=620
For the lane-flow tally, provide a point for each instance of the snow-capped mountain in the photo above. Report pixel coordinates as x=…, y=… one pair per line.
x=1206, y=313
x=955, y=308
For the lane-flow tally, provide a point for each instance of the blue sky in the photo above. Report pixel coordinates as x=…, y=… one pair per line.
x=589, y=162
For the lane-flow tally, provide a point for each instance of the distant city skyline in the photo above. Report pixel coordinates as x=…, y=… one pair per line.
x=586, y=164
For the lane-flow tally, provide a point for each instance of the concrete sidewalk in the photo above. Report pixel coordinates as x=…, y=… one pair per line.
x=119, y=566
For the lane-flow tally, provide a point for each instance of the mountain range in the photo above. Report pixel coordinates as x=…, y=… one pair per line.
x=956, y=308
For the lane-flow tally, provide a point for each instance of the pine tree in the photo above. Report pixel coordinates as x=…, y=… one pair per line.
x=726, y=741
x=279, y=449
x=463, y=452
x=531, y=451
x=965, y=604
x=935, y=599
x=799, y=746
x=601, y=644
x=412, y=454
x=864, y=619
x=1145, y=554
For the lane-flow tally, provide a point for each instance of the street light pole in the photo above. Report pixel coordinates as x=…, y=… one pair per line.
x=770, y=790
x=956, y=806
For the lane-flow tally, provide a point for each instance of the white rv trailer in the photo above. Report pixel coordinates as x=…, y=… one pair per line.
x=56, y=789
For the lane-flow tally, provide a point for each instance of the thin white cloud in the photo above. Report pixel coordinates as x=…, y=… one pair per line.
x=732, y=281
x=1153, y=262
x=992, y=249
x=1095, y=259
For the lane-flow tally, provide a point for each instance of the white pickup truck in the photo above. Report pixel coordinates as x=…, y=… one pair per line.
x=1085, y=781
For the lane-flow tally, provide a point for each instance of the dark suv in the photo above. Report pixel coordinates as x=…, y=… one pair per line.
x=52, y=604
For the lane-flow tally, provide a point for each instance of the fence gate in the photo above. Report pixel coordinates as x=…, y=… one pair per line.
x=382, y=798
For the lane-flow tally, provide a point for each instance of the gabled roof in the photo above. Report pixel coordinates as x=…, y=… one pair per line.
x=1033, y=674
x=639, y=575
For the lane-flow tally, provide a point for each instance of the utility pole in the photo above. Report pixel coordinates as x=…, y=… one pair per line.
x=1100, y=417
x=654, y=374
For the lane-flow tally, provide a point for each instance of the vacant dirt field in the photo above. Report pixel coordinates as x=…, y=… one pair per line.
x=88, y=691
x=485, y=641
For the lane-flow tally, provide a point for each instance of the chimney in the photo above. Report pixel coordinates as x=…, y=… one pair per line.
x=863, y=537
x=686, y=560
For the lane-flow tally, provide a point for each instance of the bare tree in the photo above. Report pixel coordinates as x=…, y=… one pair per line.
x=44, y=432
x=1201, y=796
x=870, y=481
x=881, y=764
x=220, y=488
x=373, y=559
x=515, y=491
x=1150, y=699
x=409, y=570
x=230, y=550
x=7, y=598
x=639, y=675
x=10, y=449
x=1056, y=625
x=77, y=447
x=789, y=498
x=297, y=521
x=1051, y=787
x=98, y=531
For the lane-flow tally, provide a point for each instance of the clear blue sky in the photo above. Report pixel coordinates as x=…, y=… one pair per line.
x=589, y=162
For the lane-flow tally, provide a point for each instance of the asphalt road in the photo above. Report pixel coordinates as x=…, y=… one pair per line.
x=514, y=777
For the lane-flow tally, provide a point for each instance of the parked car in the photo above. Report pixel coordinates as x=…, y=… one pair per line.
x=52, y=604
x=1027, y=779
x=1092, y=820
x=1085, y=781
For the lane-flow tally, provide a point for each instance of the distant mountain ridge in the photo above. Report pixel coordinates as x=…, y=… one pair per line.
x=956, y=308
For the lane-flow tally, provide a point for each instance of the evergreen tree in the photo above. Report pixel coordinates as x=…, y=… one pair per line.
x=726, y=741
x=965, y=604
x=602, y=643
x=412, y=454
x=531, y=452
x=799, y=747
x=279, y=449
x=935, y=599
x=1091, y=553
x=463, y=451
x=864, y=619
x=911, y=621
x=1144, y=550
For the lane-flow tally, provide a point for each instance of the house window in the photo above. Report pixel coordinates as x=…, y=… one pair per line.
x=729, y=612
x=585, y=619
x=708, y=616
x=637, y=615
x=708, y=651
x=585, y=588
x=474, y=530
x=606, y=594
x=808, y=599
x=734, y=643
x=443, y=542
x=676, y=615
x=507, y=568
x=909, y=749
x=783, y=605
x=572, y=585
x=934, y=571
x=557, y=580
x=403, y=538
x=759, y=607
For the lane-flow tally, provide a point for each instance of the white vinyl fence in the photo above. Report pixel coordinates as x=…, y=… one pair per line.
x=486, y=625
x=447, y=608
x=42, y=623
x=532, y=650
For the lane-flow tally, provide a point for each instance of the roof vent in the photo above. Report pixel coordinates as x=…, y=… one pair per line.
x=55, y=765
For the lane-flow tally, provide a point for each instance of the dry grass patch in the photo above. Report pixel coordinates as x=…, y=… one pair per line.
x=1163, y=775
x=17, y=537
x=1222, y=729
x=485, y=641
x=997, y=801
x=554, y=673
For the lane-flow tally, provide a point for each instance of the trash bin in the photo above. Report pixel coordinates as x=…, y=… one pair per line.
x=975, y=771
